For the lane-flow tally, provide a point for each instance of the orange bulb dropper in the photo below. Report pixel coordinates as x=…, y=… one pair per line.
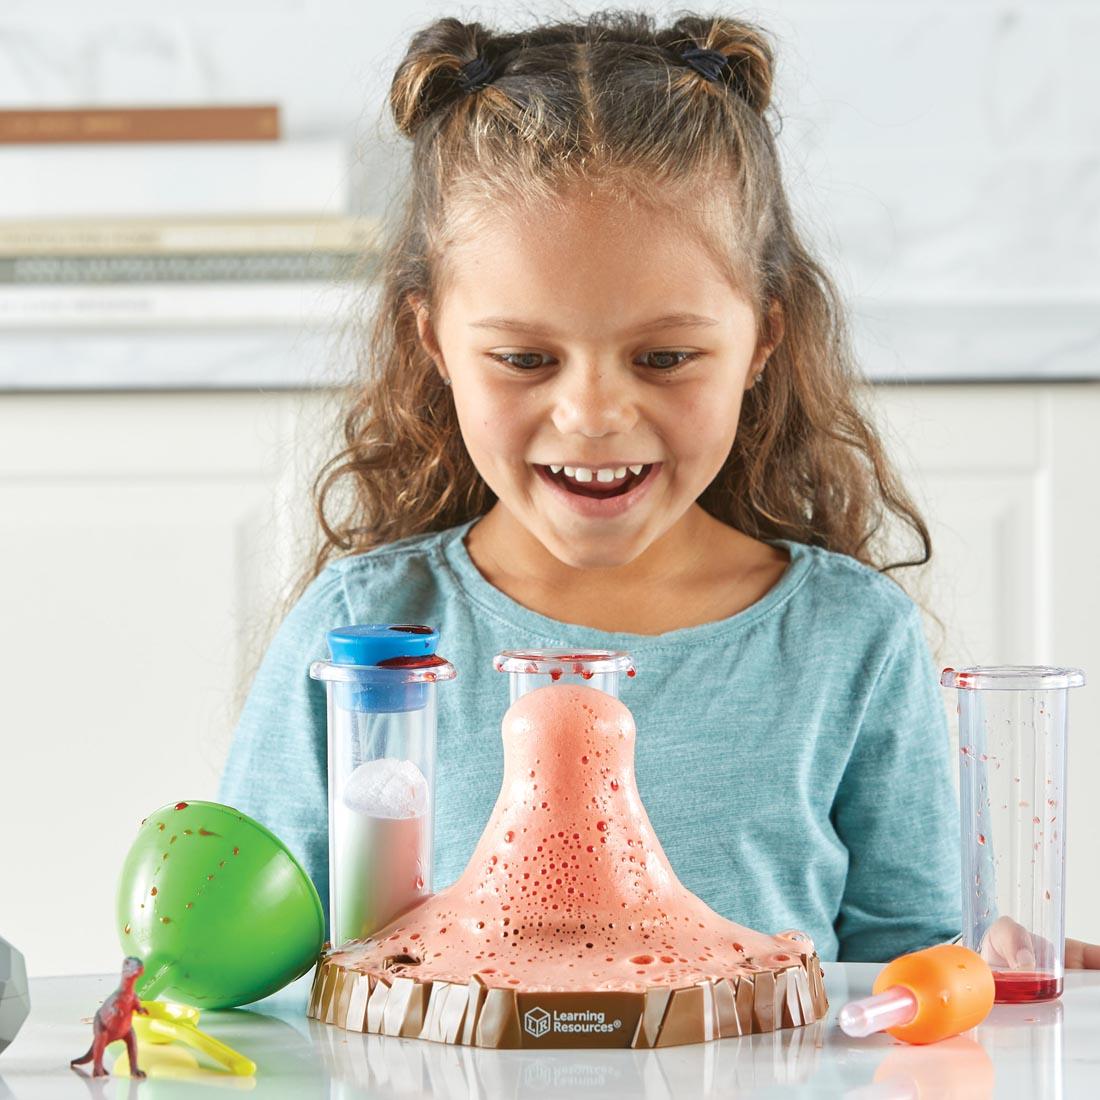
x=924, y=996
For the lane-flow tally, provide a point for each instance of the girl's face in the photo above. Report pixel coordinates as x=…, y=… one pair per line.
x=583, y=346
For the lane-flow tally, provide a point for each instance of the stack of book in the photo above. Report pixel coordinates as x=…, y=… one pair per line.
x=173, y=216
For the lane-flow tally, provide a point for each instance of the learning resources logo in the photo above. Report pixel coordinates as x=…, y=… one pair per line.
x=537, y=1022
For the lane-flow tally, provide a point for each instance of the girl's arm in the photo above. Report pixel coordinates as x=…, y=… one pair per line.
x=277, y=766
x=897, y=813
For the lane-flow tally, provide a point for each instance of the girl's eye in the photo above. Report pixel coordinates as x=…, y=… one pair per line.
x=508, y=356
x=679, y=357
x=671, y=359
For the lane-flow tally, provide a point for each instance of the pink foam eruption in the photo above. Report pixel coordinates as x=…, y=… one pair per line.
x=569, y=888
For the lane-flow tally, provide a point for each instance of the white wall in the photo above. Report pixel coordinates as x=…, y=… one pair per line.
x=948, y=153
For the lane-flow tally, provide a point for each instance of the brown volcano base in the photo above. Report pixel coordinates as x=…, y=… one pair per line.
x=478, y=1015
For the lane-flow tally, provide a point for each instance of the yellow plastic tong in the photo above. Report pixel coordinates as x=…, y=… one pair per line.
x=168, y=1022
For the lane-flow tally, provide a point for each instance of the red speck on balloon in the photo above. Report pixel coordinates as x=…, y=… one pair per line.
x=584, y=759
x=207, y=832
x=602, y=826
x=587, y=674
x=236, y=851
x=631, y=672
x=509, y=836
x=614, y=784
x=153, y=892
x=981, y=838
x=555, y=674
x=179, y=806
x=413, y=629
x=738, y=947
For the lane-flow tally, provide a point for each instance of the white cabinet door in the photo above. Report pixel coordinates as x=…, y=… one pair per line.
x=138, y=538
x=1007, y=475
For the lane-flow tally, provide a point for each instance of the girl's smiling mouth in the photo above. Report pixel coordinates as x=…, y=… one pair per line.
x=592, y=492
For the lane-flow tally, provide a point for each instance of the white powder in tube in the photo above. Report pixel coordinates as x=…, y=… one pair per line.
x=382, y=843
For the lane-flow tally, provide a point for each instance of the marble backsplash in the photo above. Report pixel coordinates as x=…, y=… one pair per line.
x=944, y=159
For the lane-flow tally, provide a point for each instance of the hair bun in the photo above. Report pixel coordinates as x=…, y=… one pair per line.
x=436, y=70
x=748, y=52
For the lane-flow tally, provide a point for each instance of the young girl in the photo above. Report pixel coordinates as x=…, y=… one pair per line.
x=610, y=403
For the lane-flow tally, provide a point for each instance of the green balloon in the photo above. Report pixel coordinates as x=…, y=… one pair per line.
x=216, y=907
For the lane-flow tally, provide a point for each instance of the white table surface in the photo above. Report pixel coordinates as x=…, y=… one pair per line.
x=1037, y=1052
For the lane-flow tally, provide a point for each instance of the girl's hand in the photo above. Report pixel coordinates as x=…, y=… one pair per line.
x=1010, y=945
x=1082, y=956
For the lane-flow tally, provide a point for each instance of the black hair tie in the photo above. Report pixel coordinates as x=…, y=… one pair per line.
x=709, y=63
x=476, y=74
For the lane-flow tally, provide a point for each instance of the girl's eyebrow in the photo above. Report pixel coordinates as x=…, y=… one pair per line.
x=669, y=320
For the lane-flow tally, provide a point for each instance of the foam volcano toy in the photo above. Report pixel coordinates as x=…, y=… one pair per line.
x=568, y=927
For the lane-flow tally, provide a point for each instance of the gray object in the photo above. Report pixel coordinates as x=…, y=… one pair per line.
x=15, y=997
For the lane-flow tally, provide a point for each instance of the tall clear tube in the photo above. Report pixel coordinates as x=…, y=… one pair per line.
x=1012, y=768
x=381, y=688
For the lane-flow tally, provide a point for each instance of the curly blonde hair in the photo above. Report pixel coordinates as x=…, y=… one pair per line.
x=608, y=101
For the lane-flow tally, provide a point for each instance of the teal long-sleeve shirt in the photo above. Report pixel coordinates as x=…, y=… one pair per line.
x=794, y=758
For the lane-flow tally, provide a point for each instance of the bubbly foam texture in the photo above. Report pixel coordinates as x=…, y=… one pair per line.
x=387, y=787
x=569, y=887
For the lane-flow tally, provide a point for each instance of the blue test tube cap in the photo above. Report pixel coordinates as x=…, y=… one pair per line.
x=369, y=645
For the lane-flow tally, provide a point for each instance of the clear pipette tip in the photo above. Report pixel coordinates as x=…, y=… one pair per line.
x=892, y=1007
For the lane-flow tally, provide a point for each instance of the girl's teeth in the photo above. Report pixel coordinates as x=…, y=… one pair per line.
x=605, y=476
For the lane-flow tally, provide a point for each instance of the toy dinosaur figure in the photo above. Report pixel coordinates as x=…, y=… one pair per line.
x=114, y=1020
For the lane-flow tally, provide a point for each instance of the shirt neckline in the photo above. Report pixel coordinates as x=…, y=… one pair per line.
x=535, y=625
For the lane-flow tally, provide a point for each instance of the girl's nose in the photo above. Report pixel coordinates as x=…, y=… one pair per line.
x=593, y=398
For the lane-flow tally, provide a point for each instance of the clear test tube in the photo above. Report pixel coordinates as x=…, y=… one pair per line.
x=381, y=685
x=1012, y=767
x=534, y=668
